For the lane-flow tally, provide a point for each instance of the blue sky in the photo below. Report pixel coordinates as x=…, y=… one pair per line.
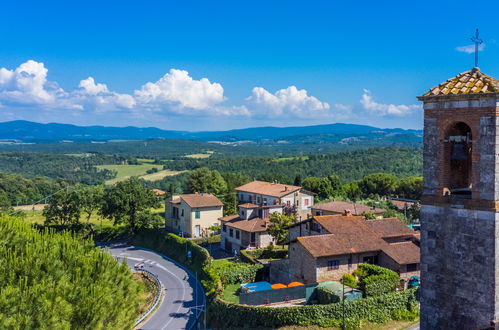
x=206, y=65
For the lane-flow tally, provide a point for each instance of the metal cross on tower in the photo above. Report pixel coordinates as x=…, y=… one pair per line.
x=477, y=41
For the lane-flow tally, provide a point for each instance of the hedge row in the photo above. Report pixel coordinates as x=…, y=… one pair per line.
x=237, y=272
x=378, y=309
x=326, y=296
x=376, y=280
x=176, y=248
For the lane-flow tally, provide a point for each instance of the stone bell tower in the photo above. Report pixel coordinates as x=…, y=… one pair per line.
x=460, y=204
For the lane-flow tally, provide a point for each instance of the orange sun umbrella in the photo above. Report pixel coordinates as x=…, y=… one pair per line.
x=292, y=284
x=278, y=286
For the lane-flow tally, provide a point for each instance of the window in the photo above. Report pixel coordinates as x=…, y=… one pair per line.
x=264, y=201
x=250, y=198
x=350, y=262
x=288, y=203
x=198, y=214
x=412, y=267
x=224, y=228
x=243, y=214
x=258, y=200
x=231, y=232
x=306, y=201
x=182, y=213
x=333, y=264
x=237, y=234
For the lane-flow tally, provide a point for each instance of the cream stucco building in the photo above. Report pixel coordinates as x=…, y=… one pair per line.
x=193, y=214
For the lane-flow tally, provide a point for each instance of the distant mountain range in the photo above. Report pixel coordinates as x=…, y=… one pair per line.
x=25, y=131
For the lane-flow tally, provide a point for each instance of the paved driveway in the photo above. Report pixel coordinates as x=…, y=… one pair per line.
x=184, y=296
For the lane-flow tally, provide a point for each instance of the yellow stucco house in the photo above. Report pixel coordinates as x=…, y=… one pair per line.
x=191, y=215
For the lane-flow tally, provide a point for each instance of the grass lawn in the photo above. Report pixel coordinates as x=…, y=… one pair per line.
x=229, y=293
x=160, y=175
x=200, y=156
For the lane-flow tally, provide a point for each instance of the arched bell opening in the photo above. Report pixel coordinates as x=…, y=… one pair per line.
x=458, y=160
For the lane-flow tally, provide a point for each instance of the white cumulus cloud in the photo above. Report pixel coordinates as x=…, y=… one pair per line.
x=290, y=100
x=96, y=96
x=27, y=84
x=178, y=88
x=382, y=109
x=470, y=48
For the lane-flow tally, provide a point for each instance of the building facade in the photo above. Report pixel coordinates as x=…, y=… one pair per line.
x=459, y=213
x=192, y=215
x=324, y=248
x=257, y=201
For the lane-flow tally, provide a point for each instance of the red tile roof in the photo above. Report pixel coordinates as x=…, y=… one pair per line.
x=341, y=206
x=268, y=188
x=390, y=227
x=351, y=234
x=158, y=192
x=403, y=253
x=199, y=200
x=252, y=225
x=248, y=206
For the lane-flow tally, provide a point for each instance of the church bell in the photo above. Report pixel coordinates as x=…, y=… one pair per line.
x=458, y=152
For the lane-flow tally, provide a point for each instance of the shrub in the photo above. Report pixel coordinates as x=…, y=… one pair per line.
x=236, y=272
x=326, y=296
x=376, y=280
x=350, y=280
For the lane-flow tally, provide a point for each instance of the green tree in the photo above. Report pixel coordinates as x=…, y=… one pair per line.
x=369, y=215
x=379, y=183
x=205, y=181
x=129, y=202
x=411, y=187
x=64, y=208
x=321, y=186
x=91, y=198
x=278, y=228
x=352, y=191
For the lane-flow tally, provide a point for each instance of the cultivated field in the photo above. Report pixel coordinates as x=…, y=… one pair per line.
x=160, y=175
x=200, y=156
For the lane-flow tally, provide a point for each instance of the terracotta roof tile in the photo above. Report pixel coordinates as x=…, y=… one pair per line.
x=389, y=227
x=468, y=82
x=341, y=206
x=268, y=188
x=201, y=200
x=248, y=206
x=251, y=225
x=403, y=253
x=350, y=234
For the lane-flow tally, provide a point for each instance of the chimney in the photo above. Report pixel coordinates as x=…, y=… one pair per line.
x=285, y=188
x=347, y=213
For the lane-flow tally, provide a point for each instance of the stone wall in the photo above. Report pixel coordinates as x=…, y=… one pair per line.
x=458, y=267
x=325, y=274
x=302, y=266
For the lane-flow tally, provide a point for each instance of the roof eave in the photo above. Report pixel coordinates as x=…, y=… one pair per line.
x=457, y=97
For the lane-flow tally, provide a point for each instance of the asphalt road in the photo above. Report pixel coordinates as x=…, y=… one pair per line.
x=182, y=303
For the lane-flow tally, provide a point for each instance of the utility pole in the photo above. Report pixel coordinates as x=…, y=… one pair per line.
x=343, y=325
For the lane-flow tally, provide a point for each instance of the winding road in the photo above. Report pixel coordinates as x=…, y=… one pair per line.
x=184, y=296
